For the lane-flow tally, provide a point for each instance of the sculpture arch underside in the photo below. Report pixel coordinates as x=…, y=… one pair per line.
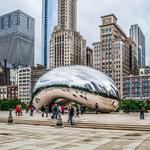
x=68, y=95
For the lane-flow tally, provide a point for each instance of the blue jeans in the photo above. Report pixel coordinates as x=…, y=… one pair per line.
x=141, y=115
x=70, y=119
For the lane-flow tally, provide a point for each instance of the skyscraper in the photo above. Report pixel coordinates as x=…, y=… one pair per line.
x=67, y=46
x=137, y=35
x=96, y=55
x=89, y=57
x=17, y=38
x=114, y=50
x=117, y=51
x=49, y=20
x=67, y=14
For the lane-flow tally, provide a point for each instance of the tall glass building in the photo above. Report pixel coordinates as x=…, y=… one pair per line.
x=17, y=33
x=49, y=20
x=137, y=35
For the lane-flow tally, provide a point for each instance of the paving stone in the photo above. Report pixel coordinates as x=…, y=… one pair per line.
x=30, y=137
x=144, y=146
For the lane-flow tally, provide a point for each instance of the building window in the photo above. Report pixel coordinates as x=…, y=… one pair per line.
x=9, y=21
x=18, y=18
x=2, y=23
x=27, y=22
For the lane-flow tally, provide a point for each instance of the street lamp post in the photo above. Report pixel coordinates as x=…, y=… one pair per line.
x=59, y=123
x=10, y=117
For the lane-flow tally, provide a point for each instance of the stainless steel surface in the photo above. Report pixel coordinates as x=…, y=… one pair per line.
x=77, y=83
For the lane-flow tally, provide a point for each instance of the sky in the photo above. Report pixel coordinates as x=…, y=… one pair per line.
x=89, y=12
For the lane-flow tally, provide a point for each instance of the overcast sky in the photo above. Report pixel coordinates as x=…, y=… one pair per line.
x=89, y=11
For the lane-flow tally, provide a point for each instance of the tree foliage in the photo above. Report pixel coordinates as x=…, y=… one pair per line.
x=7, y=104
x=133, y=105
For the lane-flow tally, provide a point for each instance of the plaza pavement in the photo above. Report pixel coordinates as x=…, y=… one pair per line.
x=111, y=118
x=29, y=137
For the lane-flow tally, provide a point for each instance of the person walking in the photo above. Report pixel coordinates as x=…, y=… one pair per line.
x=68, y=109
x=81, y=110
x=96, y=108
x=52, y=111
x=77, y=111
x=142, y=110
x=62, y=109
x=84, y=109
x=43, y=110
x=31, y=110
x=20, y=110
x=46, y=111
x=17, y=110
x=27, y=108
x=55, y=111
x=71, y=114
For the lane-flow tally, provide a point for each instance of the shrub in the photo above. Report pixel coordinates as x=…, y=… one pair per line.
x=7, y=104
x=133, y=105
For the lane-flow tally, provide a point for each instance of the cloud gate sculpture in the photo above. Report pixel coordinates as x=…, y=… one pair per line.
x=80, y=84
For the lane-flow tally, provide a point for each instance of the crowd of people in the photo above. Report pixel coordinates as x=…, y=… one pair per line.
x=18, y=110
x=55, y=109
x=73, y=111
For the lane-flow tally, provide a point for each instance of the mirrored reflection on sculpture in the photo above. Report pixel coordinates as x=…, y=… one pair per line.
x=79, y=84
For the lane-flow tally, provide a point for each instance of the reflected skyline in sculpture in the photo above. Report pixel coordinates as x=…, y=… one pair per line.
x=95, y=86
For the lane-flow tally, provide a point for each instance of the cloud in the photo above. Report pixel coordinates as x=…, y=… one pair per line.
x=89, y=11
